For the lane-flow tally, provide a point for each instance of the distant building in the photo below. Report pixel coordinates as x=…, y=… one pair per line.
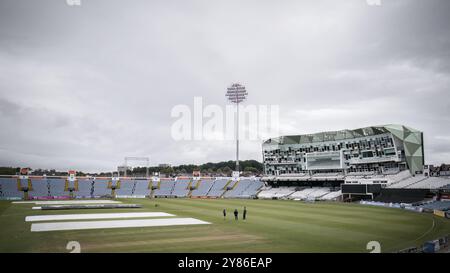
x=123, y=169
x=427, y=170
x=375, y=149
x=434, y=170
x=164, y=165
x=444, y=170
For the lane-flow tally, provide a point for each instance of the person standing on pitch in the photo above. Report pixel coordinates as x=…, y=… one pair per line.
x=244, y=214
x=236, y=213
x=224, y=214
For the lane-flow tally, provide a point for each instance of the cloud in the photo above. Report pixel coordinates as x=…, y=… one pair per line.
x=83, y=87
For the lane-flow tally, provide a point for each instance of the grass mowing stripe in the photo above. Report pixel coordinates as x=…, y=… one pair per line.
x=272, y=226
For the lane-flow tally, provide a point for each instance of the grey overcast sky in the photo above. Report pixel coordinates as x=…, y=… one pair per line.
x=83, y=86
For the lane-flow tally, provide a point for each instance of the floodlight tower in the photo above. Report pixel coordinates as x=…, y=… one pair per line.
x=236, y=94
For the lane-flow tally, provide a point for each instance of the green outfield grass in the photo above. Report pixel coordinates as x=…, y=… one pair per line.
x=272, y=226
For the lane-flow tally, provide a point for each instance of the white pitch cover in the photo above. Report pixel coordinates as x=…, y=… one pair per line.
x=68, y=202
x=39, y=227
x=58, y=217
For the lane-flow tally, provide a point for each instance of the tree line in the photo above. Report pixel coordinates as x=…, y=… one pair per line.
x=224, y=168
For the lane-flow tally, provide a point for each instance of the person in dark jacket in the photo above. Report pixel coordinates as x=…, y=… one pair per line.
x=244, y=215
x=224, y=214
x=236, y=213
